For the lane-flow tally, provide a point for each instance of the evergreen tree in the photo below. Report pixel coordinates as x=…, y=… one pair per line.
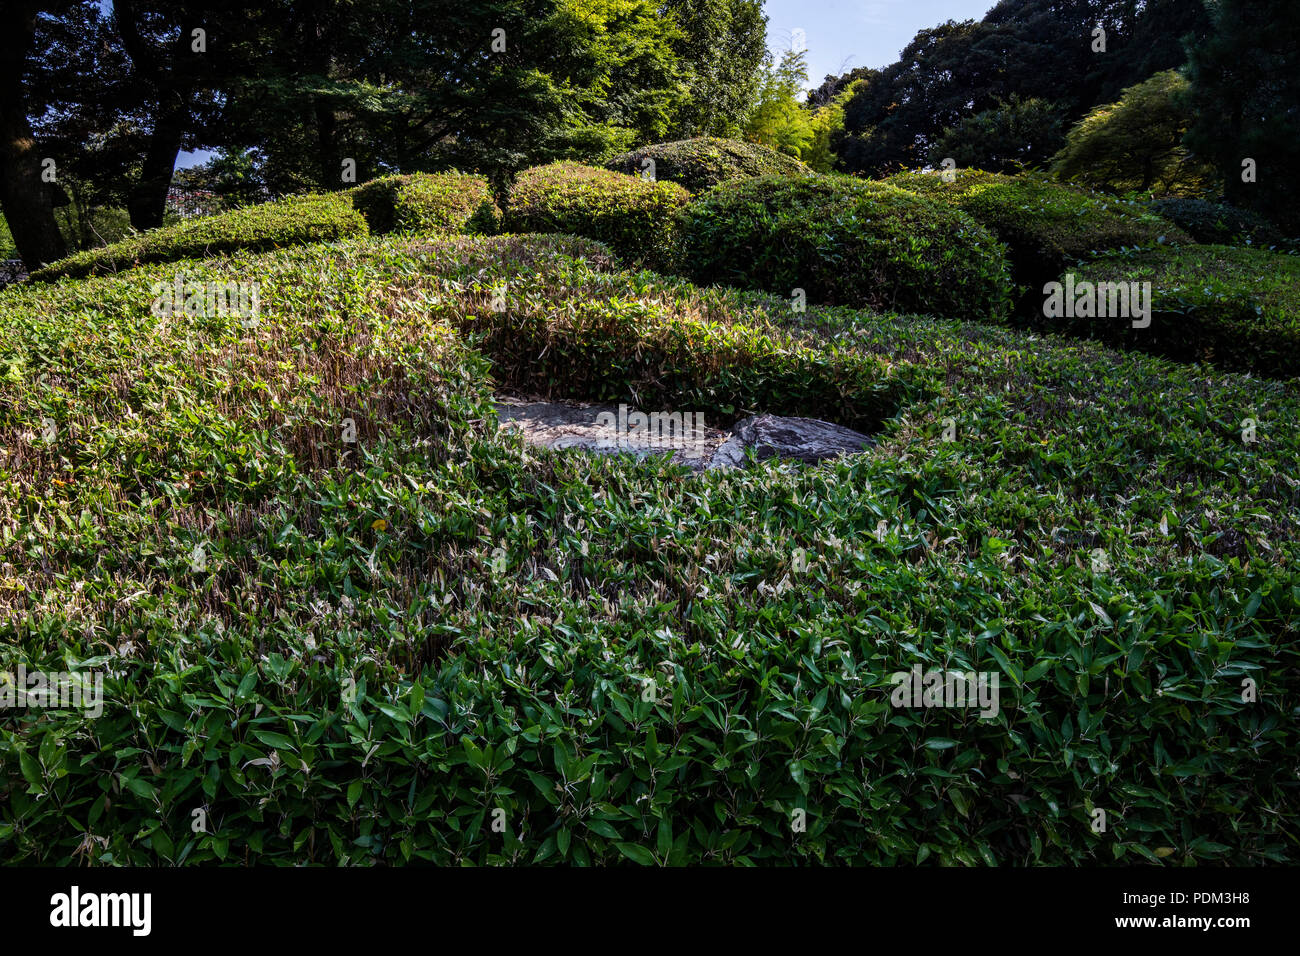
x=1245, y=100
x=1016, y=134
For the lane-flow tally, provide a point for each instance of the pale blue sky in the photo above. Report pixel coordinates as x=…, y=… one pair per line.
x=840, y=34
x=843, y=34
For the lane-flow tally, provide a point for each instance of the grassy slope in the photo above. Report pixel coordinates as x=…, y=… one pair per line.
x=514, y=678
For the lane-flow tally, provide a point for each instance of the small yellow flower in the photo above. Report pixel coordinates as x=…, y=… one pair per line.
x=379, y=524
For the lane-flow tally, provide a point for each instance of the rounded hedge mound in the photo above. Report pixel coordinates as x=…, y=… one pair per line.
x=286, y=222
x=633, y=216
x=428, y=203
x=1234, y=307
x=707, y=161
x=845, y=242
x=1216, y=223
x=1044, y=224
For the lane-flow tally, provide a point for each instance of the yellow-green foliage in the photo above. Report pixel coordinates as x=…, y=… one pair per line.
x=631, y=215
x=287, y=222
x=428, y=203
x=1137, y=143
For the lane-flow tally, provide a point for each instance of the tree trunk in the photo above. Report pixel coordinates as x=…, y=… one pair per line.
x=331, y=167
x=148, y=200
x=27, y=200
x=1234, y=190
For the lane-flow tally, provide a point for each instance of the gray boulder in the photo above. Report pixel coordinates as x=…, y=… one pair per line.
x=589, y=428
x=801, y=439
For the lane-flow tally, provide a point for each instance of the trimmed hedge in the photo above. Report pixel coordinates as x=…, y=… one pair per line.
x=286, y=222
x=1217, y=223
x=655, y=354
x=1044, y=224
x=431, y=204
x=845, y=242
x=630, y=215
x=707, y=161
x=1235, y=307
x=417, y=203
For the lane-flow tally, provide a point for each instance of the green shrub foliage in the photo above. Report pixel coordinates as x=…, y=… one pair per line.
x=434, y=644
x=1217, y=223
x=706, y=161
x=632, y=216
x=1238, y=308
x=418, y=203
x=425, y=203
x=287, y=222
x=1044, y=224
x=847, y=242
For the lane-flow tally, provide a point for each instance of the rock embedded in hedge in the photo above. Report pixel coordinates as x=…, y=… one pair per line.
x=799, y=439
x=602, y=430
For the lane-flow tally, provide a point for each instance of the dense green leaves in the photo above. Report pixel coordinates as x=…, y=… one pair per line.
x=1044, y=224
x=299, y=219
x=632, y=215
x=706, y=161
x=1238, y=308
x=423, y=203
x=1136, y=144
x=843, y=241
x=438, y=645
x=418, y=203
x=1217, y=223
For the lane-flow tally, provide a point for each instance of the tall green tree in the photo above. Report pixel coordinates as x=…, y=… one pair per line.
x=1136, y=143
x=778, y=119
x=622, y=79
x=25, y=196
x=723, y=46
x=1013, y=135
x=1245, y=99
x=1034, y=49
x=182, y=57
x=827, y=120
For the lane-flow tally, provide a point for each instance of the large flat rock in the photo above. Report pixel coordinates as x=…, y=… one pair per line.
x=614, y=429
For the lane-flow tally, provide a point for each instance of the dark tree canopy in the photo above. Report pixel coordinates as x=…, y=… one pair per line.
x=1245, y=100
x=1036, y=49
x=319, y=94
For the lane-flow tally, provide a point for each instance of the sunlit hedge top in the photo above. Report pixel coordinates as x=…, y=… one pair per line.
x=706, y=161
x=1044, y=223
x=287, y=222
x=845, y=241
x=632, y=215
x=420, y=202
x=417, y=203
